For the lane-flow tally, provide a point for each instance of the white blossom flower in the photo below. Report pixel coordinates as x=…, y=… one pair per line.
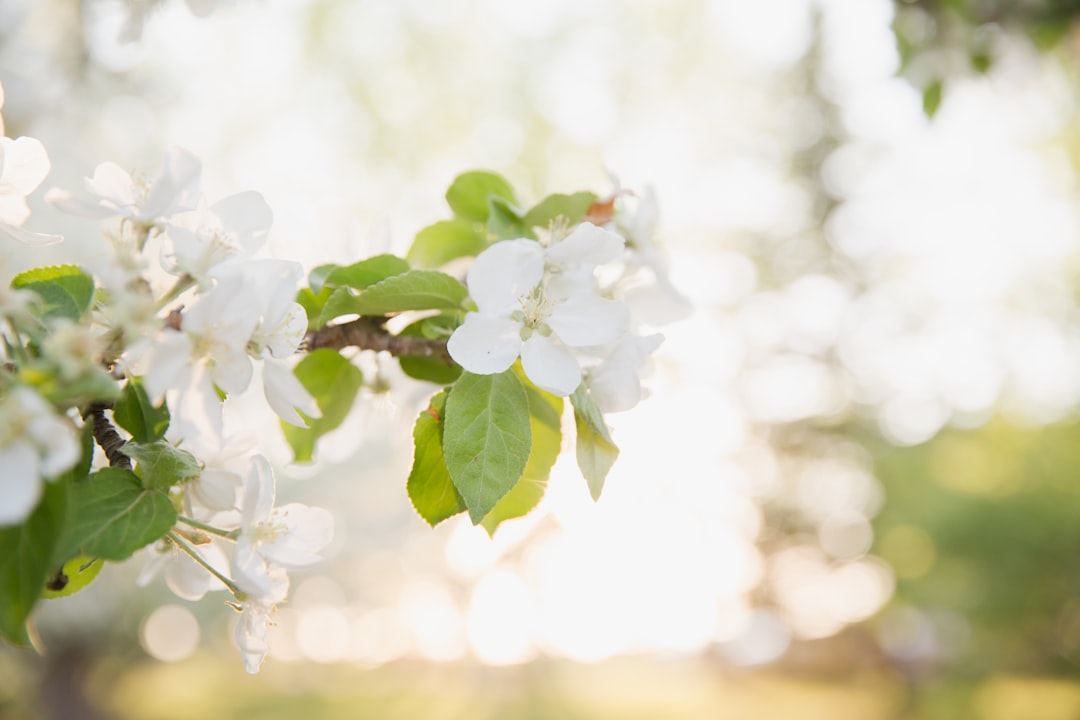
x=233, y=228
x=271, y=539
x=252, y=629
x=524, y=310
x=114, y=192
x=615, y=383
x=35, y=444
x=183, y=575
x=23, y=166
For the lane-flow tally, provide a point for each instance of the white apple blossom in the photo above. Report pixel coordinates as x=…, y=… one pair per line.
x=233, y=228
x=288, y=537
x=252, y=629
x=615, y=383
x=35, y=444
x=115, y=192
x=183, y=575
x=525, y=309
x=23, y=166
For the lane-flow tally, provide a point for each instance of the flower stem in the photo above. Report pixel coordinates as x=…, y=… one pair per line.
x=227, y=534
x=180, y=543
x=182, y=284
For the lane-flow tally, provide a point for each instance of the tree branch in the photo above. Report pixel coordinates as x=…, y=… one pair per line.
x=106, y=436
x=368, y=334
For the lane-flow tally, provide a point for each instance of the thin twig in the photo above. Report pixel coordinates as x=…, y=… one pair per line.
x=367, y=334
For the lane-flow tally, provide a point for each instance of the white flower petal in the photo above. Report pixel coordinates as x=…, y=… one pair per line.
x=215, y=489
x=550, y=365
x=167, y=364
x=114, y=185
x=248, y=215
x=583, y=320
x=176, y=188
x=586, y=245
x=310, y=529
x=25, y=165
x=20, y=483
x=286, y=394
x=503, y=273
x=65, y=201
x=484, y=344
x=259, y=491
x=27, y=237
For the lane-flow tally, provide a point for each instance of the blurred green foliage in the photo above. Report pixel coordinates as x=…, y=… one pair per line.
x=982, y=524
x=941, y=39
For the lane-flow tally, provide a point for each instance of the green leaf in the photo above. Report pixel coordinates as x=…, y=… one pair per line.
x=367, y=272
x=572, y=208
x=313, y=304
x=135, y=413
x=425, y=368
x=66, y=290
x=545, y=422
x=341, y=301
x=596, y=452
x=468, y=195
x=486, y=438
x=413, y=290
x=931, y=99
x=26, y=560
x=333, y=381
x=112, y=515
x=505, y=222
x=438, y=244
x=430, y=488
x=75, y=574
x=317, y=277
x=160, y=465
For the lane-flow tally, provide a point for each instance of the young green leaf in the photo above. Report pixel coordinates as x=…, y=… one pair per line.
x=341, y=301
x=430, y=488
x=160, y=465
x=333, y=381
x=486, y=438
x=66, y=290
x=26, y=559
x=313, y=304
x=135, y=413
x=112, y=515
x=572, y=208
x=596, y=452
x=446, y=240
x=427, y=368
x=468, y=195
x=505, y=222
x=367, y=272
x=413, y=290
x=545, y=422
x=75, y=574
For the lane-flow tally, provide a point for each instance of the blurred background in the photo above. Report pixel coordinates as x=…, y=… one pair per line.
x=854, y=490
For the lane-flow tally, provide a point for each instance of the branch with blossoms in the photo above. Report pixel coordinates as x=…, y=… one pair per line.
x=136, y=357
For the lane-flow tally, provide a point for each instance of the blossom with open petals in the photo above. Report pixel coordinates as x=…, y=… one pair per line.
x=615, y=383
x=35, y=444
x=524, y=310
x=114, y=192
x=287, y=537
x=23, y=166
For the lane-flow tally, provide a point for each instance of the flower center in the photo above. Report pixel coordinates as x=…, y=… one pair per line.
x=535, y=310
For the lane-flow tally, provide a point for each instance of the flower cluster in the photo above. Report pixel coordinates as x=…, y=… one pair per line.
x=266, y=541
x=564, y=307
x=184, y=315
x=235, y=310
